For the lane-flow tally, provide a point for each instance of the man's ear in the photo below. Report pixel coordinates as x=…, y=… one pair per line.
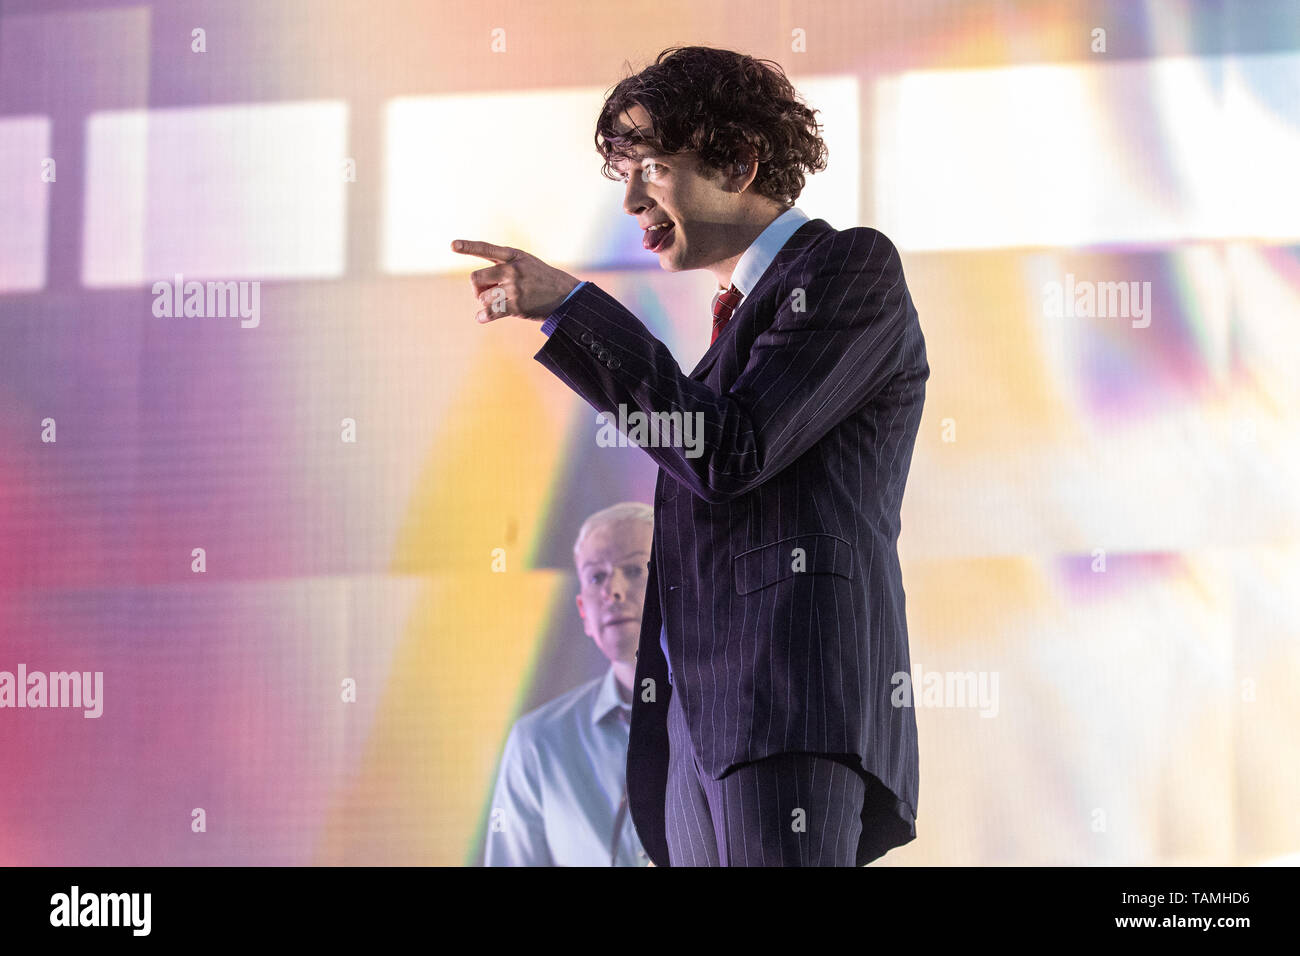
x=744, y=170
x=582, y=612
x=745, y=163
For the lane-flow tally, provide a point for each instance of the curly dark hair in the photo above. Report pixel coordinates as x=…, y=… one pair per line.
x=722, y=105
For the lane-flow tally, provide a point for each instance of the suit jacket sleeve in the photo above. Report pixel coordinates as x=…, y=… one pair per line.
x=516, y=825
x=842, y=313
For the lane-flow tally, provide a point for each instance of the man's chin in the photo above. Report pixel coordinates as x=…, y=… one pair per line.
x=623, y=647
x=670, y=258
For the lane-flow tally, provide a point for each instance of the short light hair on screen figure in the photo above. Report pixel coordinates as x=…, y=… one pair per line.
x=619, y=512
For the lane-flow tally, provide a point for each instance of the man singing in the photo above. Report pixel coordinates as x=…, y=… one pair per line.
x=762, y=731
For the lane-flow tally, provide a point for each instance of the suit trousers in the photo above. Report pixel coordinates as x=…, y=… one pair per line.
x=790, y=809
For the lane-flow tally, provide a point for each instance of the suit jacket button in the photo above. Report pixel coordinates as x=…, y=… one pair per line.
x=614, y=363
x=585, y=338
x=595, y=347
x=603, y=355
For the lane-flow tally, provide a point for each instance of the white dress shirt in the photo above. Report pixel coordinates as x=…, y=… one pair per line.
x=563, y=774
x=755, y=260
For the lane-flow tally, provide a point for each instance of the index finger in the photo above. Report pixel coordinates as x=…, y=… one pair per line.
x=484, y=250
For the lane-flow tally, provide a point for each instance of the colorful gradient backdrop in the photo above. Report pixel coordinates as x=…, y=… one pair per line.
x=1146, y=714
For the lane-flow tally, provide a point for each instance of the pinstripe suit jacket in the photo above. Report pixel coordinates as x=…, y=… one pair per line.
x=774, y=559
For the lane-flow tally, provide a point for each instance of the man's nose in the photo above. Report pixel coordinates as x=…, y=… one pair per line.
x=635, y=199
x=616, y=587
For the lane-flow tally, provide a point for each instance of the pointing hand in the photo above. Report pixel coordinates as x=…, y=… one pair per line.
x=517, y=285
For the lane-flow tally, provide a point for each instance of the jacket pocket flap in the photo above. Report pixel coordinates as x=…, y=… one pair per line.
x=799, y=554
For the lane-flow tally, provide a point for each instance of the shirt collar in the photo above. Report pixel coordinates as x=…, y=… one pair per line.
x=608, y=699
x=755, y=260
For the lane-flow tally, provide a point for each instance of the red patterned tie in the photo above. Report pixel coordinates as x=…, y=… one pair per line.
x=724, y=303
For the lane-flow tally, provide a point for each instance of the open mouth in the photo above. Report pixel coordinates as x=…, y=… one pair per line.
x=656, y=238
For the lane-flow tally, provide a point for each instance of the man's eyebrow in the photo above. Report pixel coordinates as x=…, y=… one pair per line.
x=645, y=153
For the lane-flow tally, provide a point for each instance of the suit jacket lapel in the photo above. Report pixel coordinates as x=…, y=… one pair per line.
x=794, y=247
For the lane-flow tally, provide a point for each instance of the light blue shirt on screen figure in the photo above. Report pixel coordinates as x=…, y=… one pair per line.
x=563, y=774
